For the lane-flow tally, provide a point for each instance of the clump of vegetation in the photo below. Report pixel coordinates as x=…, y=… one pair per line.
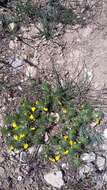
x=53, y=118
x=49, y=16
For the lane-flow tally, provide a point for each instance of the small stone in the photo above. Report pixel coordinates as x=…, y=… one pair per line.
x=100, y=162
x=105, y=134
x=104, y=146
x=23, y=157
x=54, y=178
x=40, y=149
x=32, y=150
x=11, y=44
x=85, y=169
x=20, y=88
x=65, y=166
x=88, y=157
x=17, y=63
x=105, y=177
x=88, y=75
x=2, y=172
x=19, y=178
x=1, y=122
x=30, y=72
x=12, y=26
x=46, y=137
x=93, y=124
x=1, y=159
x=105, y=117
x=1, y=25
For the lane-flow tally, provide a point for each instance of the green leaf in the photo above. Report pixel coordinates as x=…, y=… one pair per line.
x=46, y=87
x=4, y=131
x=72, y=134
x=76, y=162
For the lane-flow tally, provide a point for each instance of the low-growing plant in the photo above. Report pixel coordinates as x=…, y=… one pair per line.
x=49, y=16
x=25, y=9
x=53, y=119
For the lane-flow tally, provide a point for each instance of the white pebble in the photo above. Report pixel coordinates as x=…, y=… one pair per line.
x=105, y=134
x=19, y=178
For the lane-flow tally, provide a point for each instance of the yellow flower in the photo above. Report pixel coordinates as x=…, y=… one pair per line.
x=71, y=142
x=11, y=148
x=25, y=146
x=66, y=152
x=32, y=128
x=57, y=157
x=16, y=137
x=21, y=136
x=82, y=107
x=65, y=137
x=14, y=125
x=31, y=117
x=37, y=102
x=33, y=109
x=45, y=109
x=64, y=110
x=98, y=121
x=74, y=143
x=52, y=159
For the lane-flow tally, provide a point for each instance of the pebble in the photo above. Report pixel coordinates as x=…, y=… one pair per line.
x=88, y=157
x=105, y=117
x=23, y=157
x=12, y=26
x=40, y=149
x=17, y=63
x=2, y=172
x=1, y=122
x=105, y=134
x=104, y=146
x=65, y=166
x=85, y=169
x=31, y=150
x=30, y=72
x=54, y=178
x=11, y=44
x=1, y=159
x=93, y=124
x=19, y=178
x=100, y=162
x=105, y=177
x=88, y=74
x=1, y=25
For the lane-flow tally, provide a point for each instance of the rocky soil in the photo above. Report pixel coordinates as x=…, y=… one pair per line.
x=73, y=49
